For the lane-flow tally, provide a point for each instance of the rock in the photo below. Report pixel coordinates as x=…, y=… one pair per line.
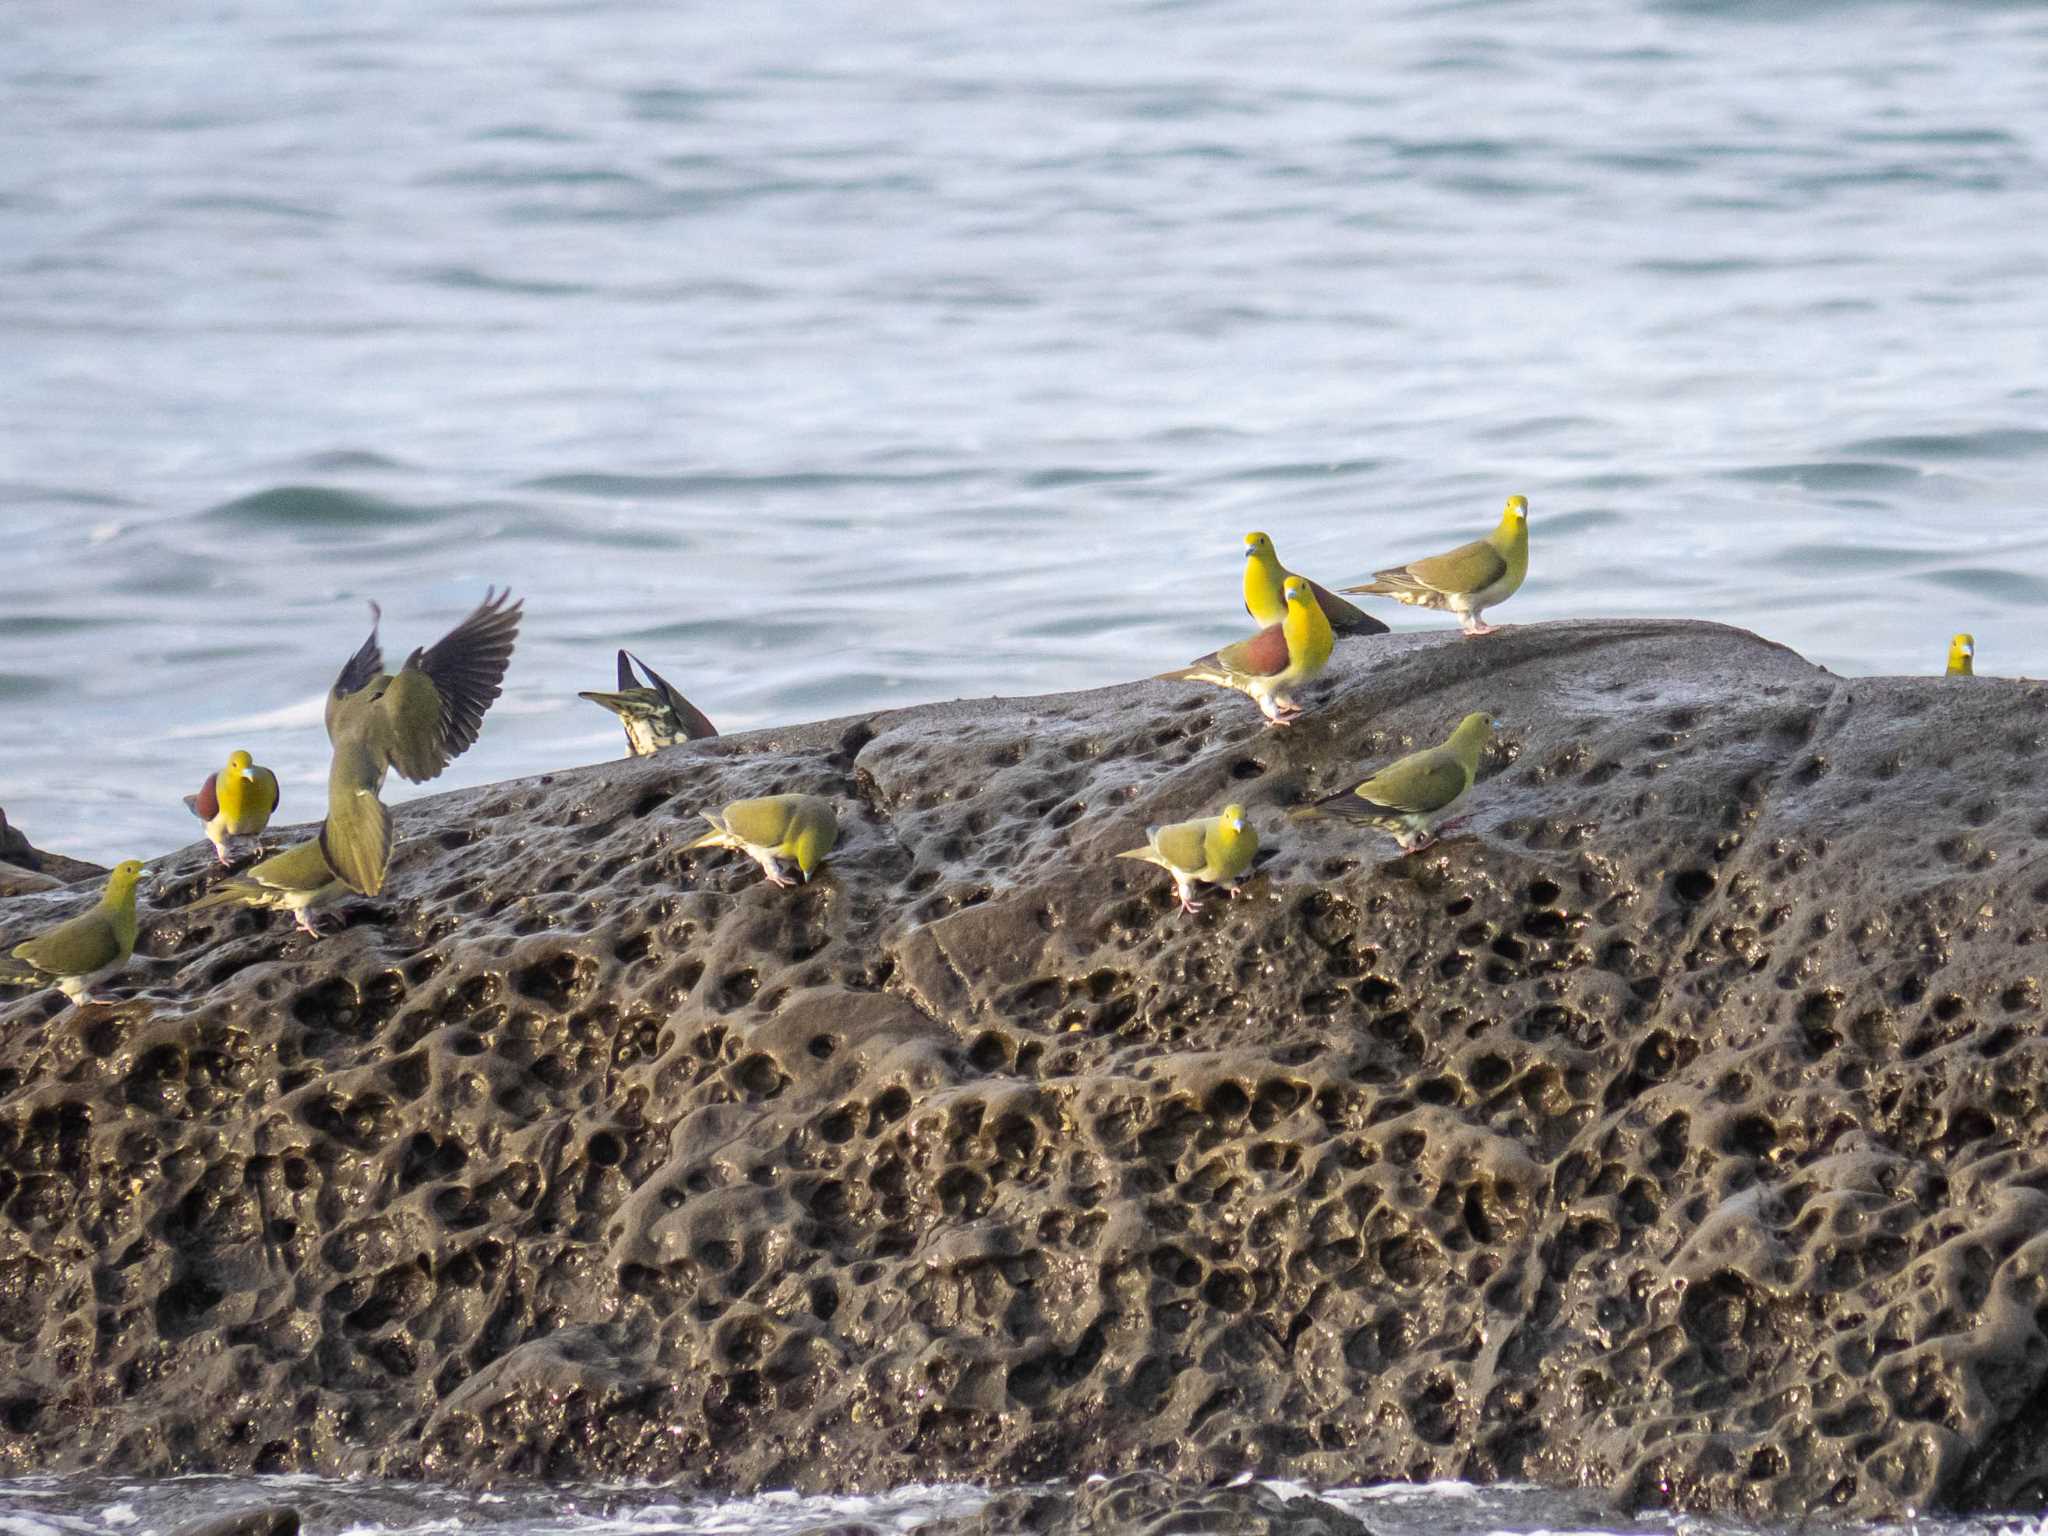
x=1147, y=1504
x=18, y=881
x=18, y=855
x=264, y=1520
x=1672, y=1131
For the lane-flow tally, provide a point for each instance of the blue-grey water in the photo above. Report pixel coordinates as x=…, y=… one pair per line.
x=836, y=357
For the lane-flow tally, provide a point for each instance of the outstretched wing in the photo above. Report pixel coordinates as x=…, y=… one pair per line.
x=435, y=706
x=359, y=671
x=695, y=724
x=206, y=804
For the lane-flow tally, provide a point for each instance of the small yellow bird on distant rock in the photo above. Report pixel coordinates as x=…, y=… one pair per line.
x=1274, y=660
x=1469, y=579
x=1962, y=656
x=1408, y=795
x=1265, y=592
x=1212, y=850
x=235, y=803
x=798, y=828
x=75, y=956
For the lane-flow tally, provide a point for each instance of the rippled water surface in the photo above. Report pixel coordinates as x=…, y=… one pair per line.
x=836, y=357
x=117, y=1507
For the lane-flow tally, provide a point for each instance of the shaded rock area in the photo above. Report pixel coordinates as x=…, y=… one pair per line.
x=1676, y=1129
x=264, y=1520
x=25, y=869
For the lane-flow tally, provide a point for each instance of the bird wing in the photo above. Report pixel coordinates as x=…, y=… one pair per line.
x=1468, y=568
x=1417, y=784
x=360, y=670
x=435, y=706
x=1263, y=655
x=1345, y=618
x=1184, y=844
x=206, y=804
x=693, y=721
x=356, y=836
x=764, y=823
x=75, y=948
x=267, y=793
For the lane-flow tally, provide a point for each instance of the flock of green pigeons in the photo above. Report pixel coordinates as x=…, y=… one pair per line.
x=420, y=718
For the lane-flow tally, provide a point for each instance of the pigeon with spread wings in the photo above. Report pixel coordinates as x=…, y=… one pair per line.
x=417, y=721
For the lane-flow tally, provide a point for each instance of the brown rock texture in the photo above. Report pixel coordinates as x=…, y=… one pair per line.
x=1675, y=1129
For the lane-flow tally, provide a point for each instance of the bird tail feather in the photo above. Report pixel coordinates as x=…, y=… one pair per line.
x=356, y=841
x=1390, y=584
x=226, y=893
x=1345, y=805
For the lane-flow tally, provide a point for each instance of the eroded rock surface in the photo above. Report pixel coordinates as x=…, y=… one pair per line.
x=1674, y=1130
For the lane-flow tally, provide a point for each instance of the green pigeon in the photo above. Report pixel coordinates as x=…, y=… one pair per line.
x=1274, y=660
x=295, y=881
x=1214, y=850
x=654, y=714
x=417, y=722
x=1469, y=579
x=798, y=828
x=1265, y=592
x=75, y=956
x=1408, y=795
x=235, y=803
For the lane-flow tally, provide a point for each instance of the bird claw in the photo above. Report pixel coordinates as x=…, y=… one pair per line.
x=777, y=878
x=1190, y=907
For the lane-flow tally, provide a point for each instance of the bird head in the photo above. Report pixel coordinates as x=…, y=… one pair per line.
x=813, y=840
x=242, y=763
x=1258, y=546
x=1233, y=818
x=1296, y=590
x=1960, y=651
x=1478, y=727
x=122, y=878
x=1517, y=511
